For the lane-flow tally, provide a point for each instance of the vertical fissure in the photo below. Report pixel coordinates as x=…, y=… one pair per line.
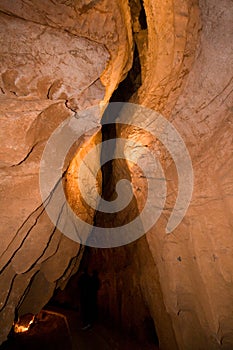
x=126, y=89
x=142, y=16
x=124, y=92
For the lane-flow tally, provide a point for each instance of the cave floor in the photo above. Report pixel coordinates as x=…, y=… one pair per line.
x=60, y=329
x=99, y=337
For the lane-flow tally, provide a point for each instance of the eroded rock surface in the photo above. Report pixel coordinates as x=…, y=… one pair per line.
x=62, y=56
x=189, y=80
x=56, y=58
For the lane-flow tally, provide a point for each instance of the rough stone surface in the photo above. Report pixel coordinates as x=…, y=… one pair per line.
x=185, y=278
x=194, y=263
x=40, y=65
x=102, y=22
x=56, y=58
x=61, y=56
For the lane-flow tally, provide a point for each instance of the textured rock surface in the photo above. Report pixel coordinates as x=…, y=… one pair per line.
x=197, y=290
x=102, y=22
x=184, y=278
x=61, y=56
x=53, y=62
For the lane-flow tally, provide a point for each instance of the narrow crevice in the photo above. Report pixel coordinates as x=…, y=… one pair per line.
x=131, y=83
x=142, y=17
x=2, y=91
x=22, y=242
x=42, y=207
x=45, y=248
x=19, y=229
x=8, y=294
x=26, y=157
x=25, y=293
x=125, y=90
x=71, y=267
x=123, y=93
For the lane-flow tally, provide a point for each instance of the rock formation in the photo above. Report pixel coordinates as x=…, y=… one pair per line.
x=59, y=57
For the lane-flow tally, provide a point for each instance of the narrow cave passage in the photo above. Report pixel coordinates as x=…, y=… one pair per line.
x=118, y=325
x=122, y=311
x=58, y=58
x=123, y=93
x=117, y=311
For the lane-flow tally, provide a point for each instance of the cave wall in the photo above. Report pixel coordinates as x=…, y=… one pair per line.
x=183, y=281
x=197, y=288
x=55, y=59
x=197, y=257
x=183, y=278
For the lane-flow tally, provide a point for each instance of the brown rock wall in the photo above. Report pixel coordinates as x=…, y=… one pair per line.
x=55, y=58
x=59, y=57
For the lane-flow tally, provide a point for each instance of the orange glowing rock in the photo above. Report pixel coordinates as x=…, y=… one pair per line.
x=24, y=323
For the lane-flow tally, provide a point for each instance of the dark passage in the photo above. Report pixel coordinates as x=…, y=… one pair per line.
x=123, y=93
x=79, y=306
x=142, y=16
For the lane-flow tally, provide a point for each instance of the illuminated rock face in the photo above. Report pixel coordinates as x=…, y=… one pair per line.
x=59, y=58
x=56, y=59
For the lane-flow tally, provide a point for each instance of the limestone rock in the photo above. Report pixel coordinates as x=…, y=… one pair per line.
x=59, y=57
x=53, y=63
